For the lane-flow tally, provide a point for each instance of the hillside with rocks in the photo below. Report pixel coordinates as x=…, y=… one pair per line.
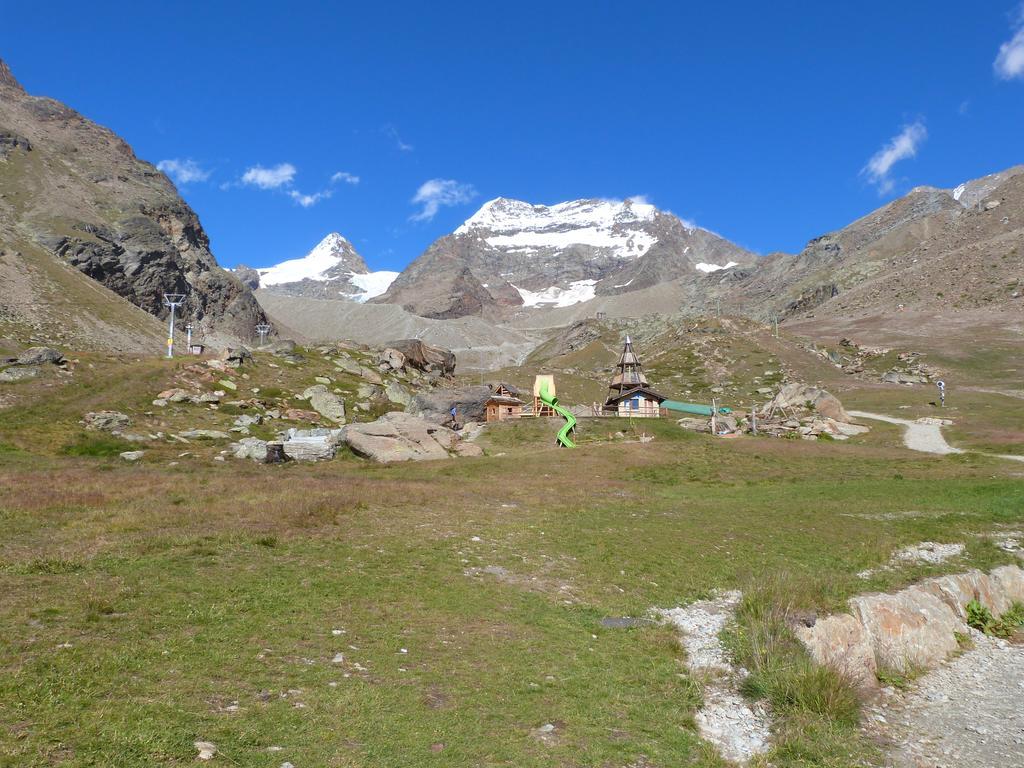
x=958, y=249
x=73, y=194
x=511, y=254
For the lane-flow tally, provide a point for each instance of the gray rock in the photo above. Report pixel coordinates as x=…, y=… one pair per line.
x=246, y=420
x=250, y=448
x=396, y=393
x=348, y=365
x=802, y=396
x=425, y=357
x=400, y=437
x=132, y=455
x=392, y=358
x=237, y=356
x=326, y=403
x=106, y=421
x=208, y=434
x=40, y=356
x=311, y=444
x=13, y=374
x=435, y=405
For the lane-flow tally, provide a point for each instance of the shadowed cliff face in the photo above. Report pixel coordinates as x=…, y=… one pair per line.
x=77, y=191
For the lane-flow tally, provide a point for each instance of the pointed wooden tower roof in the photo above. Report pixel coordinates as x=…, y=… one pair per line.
x=629, y=372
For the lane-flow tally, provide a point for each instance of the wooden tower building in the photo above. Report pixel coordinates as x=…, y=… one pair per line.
x=629, y=393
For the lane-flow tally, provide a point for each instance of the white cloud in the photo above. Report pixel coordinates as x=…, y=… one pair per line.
x=440, y=193
x=307, y=201
x=1009, y=63
x=183, y=171
x=391, y=131
x=346, y=177
x=899, y=147
x=280, y=175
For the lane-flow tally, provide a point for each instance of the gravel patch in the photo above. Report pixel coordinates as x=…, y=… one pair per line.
x=925, y=552
x=740, y=730
x=966, y=713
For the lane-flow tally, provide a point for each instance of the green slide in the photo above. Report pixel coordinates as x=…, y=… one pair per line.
x=570, y=420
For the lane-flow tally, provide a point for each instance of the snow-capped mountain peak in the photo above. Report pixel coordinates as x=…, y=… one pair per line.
x=335, y=268
x=517, y=226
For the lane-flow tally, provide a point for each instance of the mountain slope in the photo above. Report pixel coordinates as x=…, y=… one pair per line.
x=514, y=254
x=953, y=249
x=332, y=270
x=74, y=190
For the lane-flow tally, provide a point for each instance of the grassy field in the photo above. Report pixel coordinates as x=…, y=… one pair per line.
x=350, y=614
x=347, y=614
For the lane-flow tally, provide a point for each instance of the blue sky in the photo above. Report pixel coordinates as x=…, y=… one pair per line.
x=769, y=123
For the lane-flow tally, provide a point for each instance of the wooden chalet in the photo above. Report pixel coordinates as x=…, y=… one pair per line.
x=504, y=403
x=629, y=393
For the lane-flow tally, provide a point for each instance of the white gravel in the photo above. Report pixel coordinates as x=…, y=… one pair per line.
x=740, y=730
x=966, y=713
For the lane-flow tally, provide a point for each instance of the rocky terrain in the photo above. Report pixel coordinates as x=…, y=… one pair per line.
x=73, y=194
x=952, y=249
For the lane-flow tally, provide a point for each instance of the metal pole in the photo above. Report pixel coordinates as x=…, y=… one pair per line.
x=188, y=337
x=170, y=335
x=172, y=301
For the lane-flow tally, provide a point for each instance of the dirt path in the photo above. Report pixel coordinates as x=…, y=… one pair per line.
x=925, y=435
x=966, y=713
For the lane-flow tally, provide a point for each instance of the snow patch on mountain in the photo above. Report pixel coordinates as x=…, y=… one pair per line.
x=372, y=284
x=625, y=244
x=522, y=228
x=708, y=268
x=577, y=292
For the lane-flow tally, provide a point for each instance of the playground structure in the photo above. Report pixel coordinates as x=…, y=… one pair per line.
x=629, y=395
x=544, y=391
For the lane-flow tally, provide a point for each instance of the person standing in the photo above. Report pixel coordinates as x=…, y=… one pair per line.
x=942, y=392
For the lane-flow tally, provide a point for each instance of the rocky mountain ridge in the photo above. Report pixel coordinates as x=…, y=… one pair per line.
x=512, y=254
x=74, y=192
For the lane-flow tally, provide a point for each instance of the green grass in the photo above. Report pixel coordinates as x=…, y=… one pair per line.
x=149, y=606
x=97, y=445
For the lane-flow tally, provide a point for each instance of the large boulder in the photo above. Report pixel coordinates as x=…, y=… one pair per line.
x=19, y=373
x=326, y=403
x=958, y=589
x=398, y=436
x=392, y=358
x=436, y=404
x=40, y=356
x=396, y=393
x=797, y=395
x=311, y=444
x=425, y=357
x=909, y=630
x=236, y=356
x=842, y=643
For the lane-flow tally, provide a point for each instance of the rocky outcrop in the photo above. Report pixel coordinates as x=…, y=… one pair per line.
x=326, y=403
x=311, y=444
x=400, y=437
x=87, y=200
x=818, y=400
x=915, y=628
x=425, y=357
x=435, y=405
